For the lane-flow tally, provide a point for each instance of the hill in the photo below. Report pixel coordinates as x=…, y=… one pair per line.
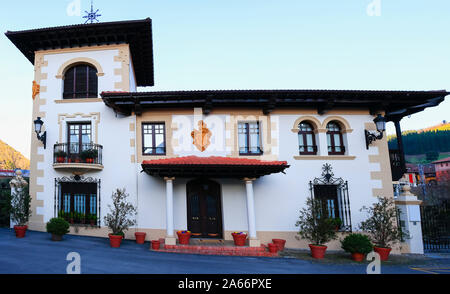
x=415, y=143
x=11, y=158
x=444, y=126
x=424, y=145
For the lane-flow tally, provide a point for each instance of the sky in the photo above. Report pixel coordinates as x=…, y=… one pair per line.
x=255, y=44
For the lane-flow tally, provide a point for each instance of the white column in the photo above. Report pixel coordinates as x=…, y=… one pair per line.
x=170, y=238
x=409, y=206
x=253, y=239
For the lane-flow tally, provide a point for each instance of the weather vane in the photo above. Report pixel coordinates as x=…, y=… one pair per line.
x=92, y=16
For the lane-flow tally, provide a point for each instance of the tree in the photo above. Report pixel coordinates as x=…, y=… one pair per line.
x=20, y=206
x=314, y=223
x=432, y=155
x=382, y=223
x=119, y=218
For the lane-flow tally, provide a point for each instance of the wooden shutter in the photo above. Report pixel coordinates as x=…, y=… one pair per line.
x=93, y=83
x=81, y=82
x=69, y=84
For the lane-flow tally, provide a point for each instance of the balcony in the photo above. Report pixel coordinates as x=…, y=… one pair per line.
x=77, y=157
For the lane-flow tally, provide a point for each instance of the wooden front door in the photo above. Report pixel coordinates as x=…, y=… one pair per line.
x=204, y=209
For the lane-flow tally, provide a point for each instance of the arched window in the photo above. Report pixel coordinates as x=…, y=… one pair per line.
x=306, y=139
x=335, y=140
x=80, y=81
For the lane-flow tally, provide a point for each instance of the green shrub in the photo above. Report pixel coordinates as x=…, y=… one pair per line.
x=60, y=153
x=89, y=153
x=357, y=243
x=58, y=226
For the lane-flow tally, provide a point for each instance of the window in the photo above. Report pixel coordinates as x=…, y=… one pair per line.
x=80, y=137
x=249, y=138
x=328, y=196
x=80, y=81
x=332, y=193
x=154, y=139
x=334, y=139
x=306, y=139
x=78, y=201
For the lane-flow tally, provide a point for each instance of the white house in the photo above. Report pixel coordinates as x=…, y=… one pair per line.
x=212, y=162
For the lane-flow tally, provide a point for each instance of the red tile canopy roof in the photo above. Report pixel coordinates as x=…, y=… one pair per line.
x=213, y=166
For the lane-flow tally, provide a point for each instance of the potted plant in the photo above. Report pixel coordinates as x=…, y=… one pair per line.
x=184, y=236
x=280, y=243
x=358, y=245
x=82, y=217
x=156, y=244
x=60, y=156
x=89, y=155
x=119, y=219
x=140, y=237
x=273, y=248
x=93, y=219
x=58, y=227
x=315, y=226
x=337, y=223
x=71, y=217
x=239, y=238
x=381, y=225
x=20, y=210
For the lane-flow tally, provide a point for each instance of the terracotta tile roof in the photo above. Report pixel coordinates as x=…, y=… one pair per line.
x=442, y=160
x=213, y=160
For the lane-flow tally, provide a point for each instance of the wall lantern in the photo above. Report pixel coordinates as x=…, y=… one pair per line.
x=380, y=122
x=38, y=127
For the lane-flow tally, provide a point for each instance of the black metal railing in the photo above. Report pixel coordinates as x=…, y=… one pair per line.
x=436, y=226
x=397, y=168
x=336, y=202
x=77, y=200
x=77, y=153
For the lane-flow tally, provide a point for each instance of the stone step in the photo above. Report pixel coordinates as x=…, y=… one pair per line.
x=220, y=252
x=262, y=248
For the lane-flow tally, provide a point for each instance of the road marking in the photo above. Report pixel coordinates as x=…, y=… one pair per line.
x=431, y=270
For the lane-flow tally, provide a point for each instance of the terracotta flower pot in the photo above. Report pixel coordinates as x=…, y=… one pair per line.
x=183, y=238
x=317, y=251
x=273, y=248
x=357, y=256
x=115, y=240
x=57, y=237
x=239, y=239
x=280, y=243
x=60, y=159
x=140, y=237
x=156, y=244
x=20, y=231
x=383, y=252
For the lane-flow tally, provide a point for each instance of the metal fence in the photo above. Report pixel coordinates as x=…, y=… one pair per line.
x=436, y=226
x=5, y=192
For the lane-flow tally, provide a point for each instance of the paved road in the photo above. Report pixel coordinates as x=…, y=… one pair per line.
x=36, y=254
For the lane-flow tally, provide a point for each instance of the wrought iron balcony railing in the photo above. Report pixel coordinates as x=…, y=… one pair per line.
x=77, y=153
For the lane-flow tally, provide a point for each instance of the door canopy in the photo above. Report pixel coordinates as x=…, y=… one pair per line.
x=212, y=167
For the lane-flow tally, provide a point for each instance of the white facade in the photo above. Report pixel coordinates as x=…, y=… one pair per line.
x=277, y=198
